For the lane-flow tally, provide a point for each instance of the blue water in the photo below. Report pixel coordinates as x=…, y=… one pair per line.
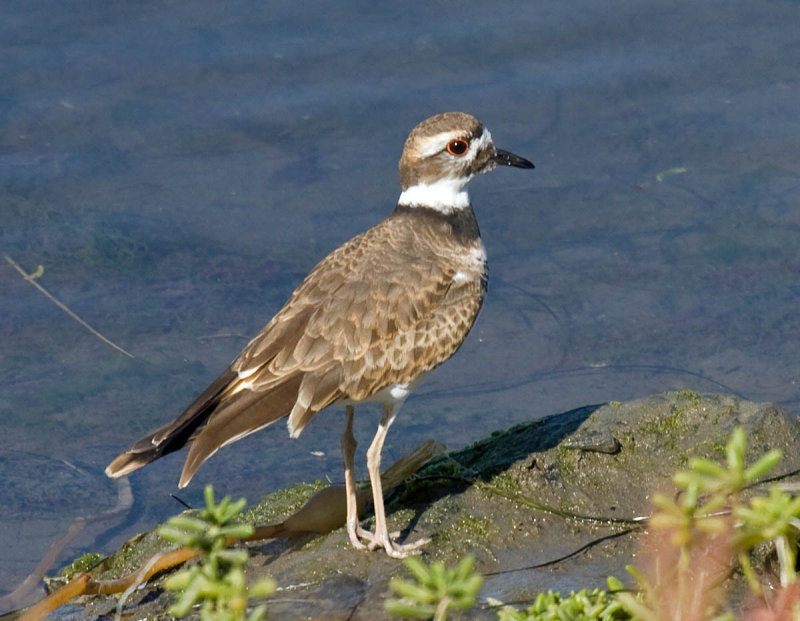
x=177, y=168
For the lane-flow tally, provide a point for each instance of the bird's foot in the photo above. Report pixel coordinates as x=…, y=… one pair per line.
x=388, y=542
x=354, y=535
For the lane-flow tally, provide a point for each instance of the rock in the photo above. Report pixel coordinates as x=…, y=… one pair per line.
x=543, y=505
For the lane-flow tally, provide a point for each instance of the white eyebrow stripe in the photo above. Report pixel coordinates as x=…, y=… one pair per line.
x=481, y=142
x=437, y=142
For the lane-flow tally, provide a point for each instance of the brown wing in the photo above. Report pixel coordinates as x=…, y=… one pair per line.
x=381, y=309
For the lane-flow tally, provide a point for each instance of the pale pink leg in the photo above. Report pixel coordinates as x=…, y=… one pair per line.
x=381, y=538
x=348, y=455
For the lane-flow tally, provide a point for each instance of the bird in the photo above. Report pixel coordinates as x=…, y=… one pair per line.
x=367, y=324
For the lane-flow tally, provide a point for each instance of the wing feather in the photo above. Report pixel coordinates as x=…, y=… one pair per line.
x=381, y=309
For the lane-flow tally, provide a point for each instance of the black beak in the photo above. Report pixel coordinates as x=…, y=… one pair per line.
x=504, y=158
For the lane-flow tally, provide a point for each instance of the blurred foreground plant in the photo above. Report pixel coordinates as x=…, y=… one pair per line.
x=584, y=604
x=218, y=581
x=436, y=589
x=696, y=537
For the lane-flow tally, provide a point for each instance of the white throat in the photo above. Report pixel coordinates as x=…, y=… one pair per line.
x=444, y=195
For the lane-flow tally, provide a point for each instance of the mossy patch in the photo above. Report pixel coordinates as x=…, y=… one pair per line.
x=279, y=505
x=685, y=401
x=470, y=532
x=133, y=554
x=80, y=565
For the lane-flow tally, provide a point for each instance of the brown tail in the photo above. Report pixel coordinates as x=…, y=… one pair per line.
x=238, y=417
x=173, y=436
x=217, y=418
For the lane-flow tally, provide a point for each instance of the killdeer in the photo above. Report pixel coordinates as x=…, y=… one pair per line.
x=369, y=321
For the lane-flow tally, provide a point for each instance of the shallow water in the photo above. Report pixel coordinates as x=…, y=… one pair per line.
x=176, y=171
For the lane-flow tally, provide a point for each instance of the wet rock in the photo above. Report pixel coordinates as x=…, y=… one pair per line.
x=543, y=505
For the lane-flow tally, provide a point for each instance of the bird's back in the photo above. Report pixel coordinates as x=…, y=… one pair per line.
x=391, y=303
x=379, y=311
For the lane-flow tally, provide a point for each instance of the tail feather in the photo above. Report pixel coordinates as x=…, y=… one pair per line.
x=162, y=441
x=225, y=413
x=235, y=420
x=173, y=436
x=126, y=463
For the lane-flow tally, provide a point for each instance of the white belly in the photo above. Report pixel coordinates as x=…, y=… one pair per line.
x=393, y=394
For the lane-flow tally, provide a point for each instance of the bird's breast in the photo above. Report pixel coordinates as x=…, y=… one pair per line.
x=469, y=263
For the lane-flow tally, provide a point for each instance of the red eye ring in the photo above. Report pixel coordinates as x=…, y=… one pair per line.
x=457, y=146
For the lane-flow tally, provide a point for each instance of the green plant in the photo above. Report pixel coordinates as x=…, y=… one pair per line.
x=775, y=518
x=217, y=582
x=698, y=535
x=580, y=606
x=712, y=478
x=435, y=591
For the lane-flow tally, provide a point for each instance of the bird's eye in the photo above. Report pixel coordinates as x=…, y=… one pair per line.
x=457, y=147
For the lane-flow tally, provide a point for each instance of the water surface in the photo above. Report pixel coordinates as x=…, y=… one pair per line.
x=177, y=169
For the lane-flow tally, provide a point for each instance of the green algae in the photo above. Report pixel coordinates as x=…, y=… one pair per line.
x=466, y=531
x=133, y=554
x=279, y=505
x=685, y=401
x=80, y=565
